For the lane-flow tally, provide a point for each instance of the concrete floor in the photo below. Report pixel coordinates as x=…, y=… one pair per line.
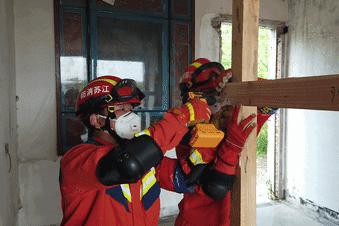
x=286, y=214
x=278, y=214
x=271, y=213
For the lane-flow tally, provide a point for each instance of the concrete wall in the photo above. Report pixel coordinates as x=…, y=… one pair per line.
x=8, y=136
x=206, y=38
x=312, y=136
x=35, y=80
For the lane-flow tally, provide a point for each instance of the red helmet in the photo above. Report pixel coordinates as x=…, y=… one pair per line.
x=204, y=76
x=106, y=91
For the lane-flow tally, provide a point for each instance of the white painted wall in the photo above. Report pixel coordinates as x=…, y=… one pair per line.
x=35, y=80
x=206, y=38
x=8, y=170
x=312, y=136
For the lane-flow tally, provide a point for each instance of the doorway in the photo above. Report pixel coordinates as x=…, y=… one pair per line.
x=269, y=158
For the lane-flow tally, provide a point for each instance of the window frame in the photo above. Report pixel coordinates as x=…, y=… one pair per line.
x=279, y=161
x=90, y=12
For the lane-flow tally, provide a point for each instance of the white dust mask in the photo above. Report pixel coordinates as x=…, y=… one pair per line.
x=127, y=125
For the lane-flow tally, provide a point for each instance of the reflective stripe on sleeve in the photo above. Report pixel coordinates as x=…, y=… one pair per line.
x=148, y=181
x=191, y=111
x=126, y=192
x=196, y=158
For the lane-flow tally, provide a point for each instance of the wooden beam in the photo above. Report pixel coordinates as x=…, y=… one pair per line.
x=319, y=93
x=245, y=27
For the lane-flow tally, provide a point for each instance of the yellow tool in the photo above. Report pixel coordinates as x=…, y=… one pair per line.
x=204, y=135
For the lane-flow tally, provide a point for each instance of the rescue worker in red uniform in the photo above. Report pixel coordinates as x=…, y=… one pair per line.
x=111, y=179
x=213, y=169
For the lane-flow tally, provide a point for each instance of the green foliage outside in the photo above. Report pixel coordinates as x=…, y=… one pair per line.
x=263, y=61
x=263, y=54
x=262, y=141
x=263, y=48
x=226, y=45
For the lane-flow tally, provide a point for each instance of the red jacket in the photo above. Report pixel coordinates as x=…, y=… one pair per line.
x=198, y=209
x=85, y=201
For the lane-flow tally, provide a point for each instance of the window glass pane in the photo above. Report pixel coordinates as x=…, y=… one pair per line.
x=72, y=34
x=81, y=3
x=149, y=118
x=180, y=56
x=180, y=7
x=135, y=5
x=132, y=49
x=73, y=63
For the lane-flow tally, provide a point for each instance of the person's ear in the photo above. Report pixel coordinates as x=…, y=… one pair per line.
x=94, y=121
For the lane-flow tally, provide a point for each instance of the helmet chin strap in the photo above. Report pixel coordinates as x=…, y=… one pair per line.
x=107, y=127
